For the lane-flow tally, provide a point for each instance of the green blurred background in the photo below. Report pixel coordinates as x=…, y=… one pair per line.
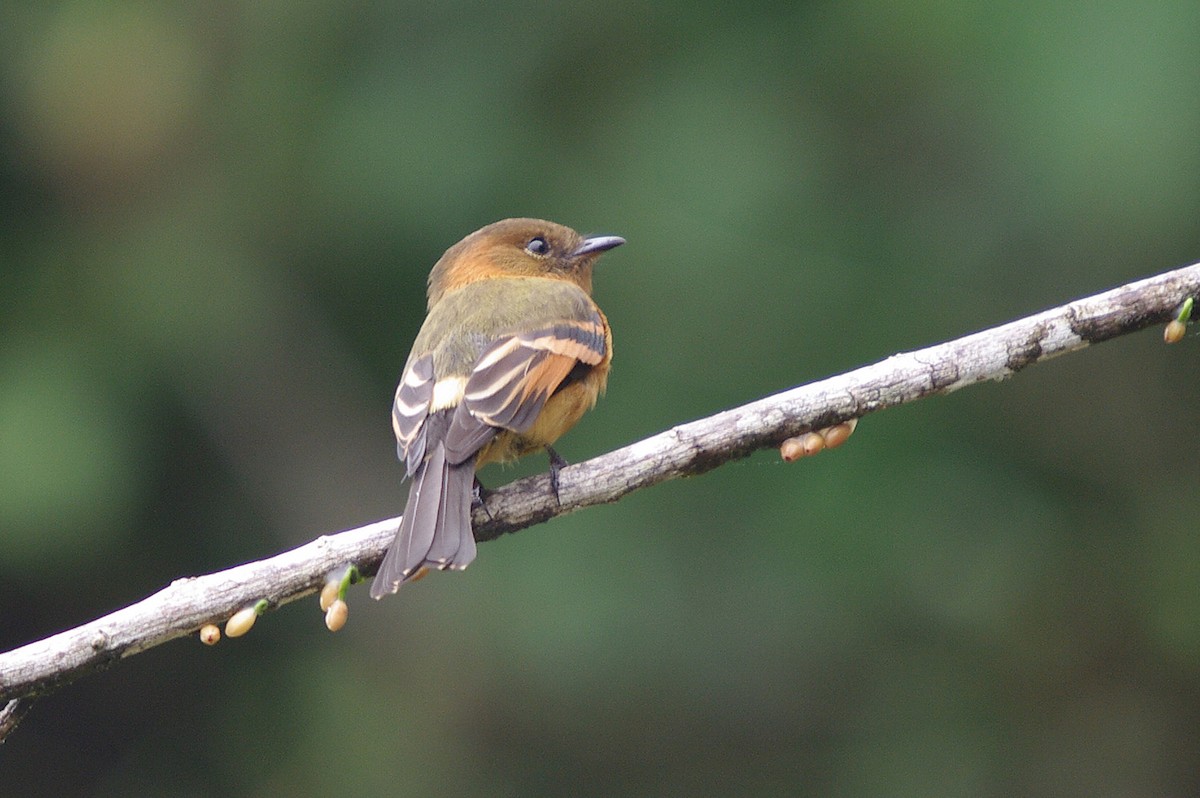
x=216, y=224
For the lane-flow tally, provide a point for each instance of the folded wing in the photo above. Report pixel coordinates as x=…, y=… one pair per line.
x=515, y=376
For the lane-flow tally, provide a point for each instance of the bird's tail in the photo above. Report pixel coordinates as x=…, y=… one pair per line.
x=435, y=531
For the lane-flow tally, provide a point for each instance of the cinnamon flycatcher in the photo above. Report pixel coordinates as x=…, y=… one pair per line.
x=512, y=353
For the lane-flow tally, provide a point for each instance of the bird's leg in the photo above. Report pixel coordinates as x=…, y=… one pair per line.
x=479, y=496
x=556, y=464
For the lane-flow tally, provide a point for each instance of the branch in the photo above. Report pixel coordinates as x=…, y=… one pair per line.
x=994, y=354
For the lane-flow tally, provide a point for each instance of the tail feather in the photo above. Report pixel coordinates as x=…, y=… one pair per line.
x=454, y=518
x=420, y=514
x=435, y=531
x=466, y=544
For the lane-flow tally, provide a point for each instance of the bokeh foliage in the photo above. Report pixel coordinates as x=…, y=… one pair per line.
x=216, y=224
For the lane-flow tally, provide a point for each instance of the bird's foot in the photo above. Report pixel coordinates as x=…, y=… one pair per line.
x=557, y=464
x=479, y=496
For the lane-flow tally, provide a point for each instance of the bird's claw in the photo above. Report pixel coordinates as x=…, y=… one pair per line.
x=557, y=464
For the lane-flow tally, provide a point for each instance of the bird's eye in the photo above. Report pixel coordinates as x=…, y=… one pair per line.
x=537, y=246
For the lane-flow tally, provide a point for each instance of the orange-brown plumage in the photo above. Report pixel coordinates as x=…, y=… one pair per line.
x=496, y=251
x=512, y=353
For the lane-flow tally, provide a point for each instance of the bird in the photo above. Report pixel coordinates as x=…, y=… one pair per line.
x=513, y=351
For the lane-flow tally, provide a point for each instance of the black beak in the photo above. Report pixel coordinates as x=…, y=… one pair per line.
x=597, y=244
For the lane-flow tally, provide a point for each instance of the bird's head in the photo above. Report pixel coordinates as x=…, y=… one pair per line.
x=519, y=248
